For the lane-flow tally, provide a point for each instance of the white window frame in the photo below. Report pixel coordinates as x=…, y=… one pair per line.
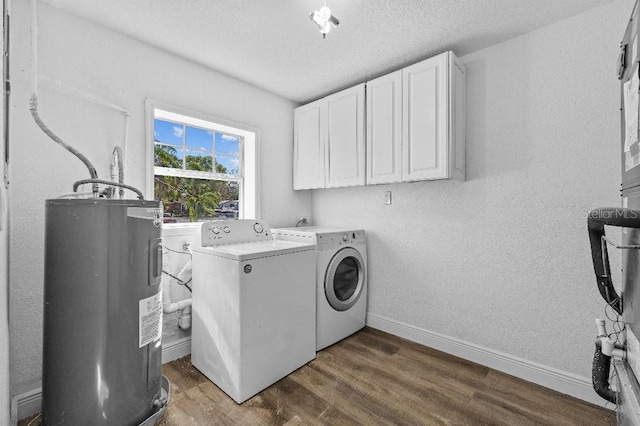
x=248, y=181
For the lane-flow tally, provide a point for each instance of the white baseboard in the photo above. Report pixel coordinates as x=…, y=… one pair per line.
x=26, y=404
x=176, y=349
x=13, y=416
x=29, y=403
x=558, y=380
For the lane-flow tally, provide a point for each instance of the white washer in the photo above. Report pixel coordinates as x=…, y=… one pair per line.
x=341, y=283
x=253, y=306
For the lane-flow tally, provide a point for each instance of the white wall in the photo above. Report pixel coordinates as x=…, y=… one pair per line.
x=5, y=369
x=502, y=260
x=5, y=372
x=124, y=72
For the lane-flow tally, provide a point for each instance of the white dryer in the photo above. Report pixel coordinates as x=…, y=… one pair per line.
x=253, y=306
x=341, y=279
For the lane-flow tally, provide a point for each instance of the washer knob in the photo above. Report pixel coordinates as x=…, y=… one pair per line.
x=226, y=229
x=258, y=227
x=215, y=230
x=345, y=237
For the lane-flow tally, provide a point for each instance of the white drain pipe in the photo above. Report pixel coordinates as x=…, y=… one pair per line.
x=185, y=317
x=184, y=306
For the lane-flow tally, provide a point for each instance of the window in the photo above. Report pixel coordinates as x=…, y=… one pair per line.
x=203, y=168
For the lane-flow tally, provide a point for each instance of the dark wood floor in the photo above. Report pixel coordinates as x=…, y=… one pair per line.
x=376, y=378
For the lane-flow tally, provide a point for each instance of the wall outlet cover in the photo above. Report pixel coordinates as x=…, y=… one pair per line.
x=387, y=198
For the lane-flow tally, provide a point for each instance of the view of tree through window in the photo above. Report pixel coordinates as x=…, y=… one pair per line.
x=197, y=172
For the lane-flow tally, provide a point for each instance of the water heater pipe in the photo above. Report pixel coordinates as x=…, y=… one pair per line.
x=83, y=93
x=117, y=168
x=33, y=106
x=34, y=47
x=125, y=143
x=33, y=103
x=107, y=182
x=97, y=99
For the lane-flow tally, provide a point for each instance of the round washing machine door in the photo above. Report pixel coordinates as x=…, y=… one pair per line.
x=344, y=279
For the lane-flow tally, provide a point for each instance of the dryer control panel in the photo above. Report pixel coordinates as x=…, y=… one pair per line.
x=234, y=231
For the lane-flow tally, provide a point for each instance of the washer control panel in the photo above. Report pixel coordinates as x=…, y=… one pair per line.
x=235, y=231
x=334, y=240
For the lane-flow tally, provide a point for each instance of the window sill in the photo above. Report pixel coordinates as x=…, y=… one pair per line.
x=174, y=229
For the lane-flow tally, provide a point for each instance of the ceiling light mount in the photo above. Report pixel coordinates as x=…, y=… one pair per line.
x=324, y=19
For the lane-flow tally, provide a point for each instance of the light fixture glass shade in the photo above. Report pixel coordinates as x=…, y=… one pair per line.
x=325, y=13
x=317, y=19
x=324, y=19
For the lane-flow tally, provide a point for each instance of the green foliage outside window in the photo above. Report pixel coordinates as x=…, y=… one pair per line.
x=190, y=197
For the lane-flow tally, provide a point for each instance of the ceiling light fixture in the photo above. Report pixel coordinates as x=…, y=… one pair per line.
x=324, y=19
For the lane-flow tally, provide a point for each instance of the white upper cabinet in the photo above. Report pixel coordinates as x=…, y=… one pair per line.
x=384, y=129
x=329, y=147
x=433, y=139
x=309, y=146
x=345, y=154
x=414, y=129
x=415, y=123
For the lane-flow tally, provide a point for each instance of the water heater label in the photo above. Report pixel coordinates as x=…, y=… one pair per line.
x=150, y=319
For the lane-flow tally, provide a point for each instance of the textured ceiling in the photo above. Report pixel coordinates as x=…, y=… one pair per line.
x=272, y=44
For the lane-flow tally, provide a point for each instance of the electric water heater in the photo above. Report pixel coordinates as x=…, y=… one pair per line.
x=102, y=313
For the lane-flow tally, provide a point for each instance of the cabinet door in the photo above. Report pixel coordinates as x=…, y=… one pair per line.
x=384, y=129
x=457, y=135
x=309, y=146
x=345, y=138
x=425, y=119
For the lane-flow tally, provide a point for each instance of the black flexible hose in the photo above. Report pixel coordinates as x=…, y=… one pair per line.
x=106, y=182
x=600, y=374
x=596, y=221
